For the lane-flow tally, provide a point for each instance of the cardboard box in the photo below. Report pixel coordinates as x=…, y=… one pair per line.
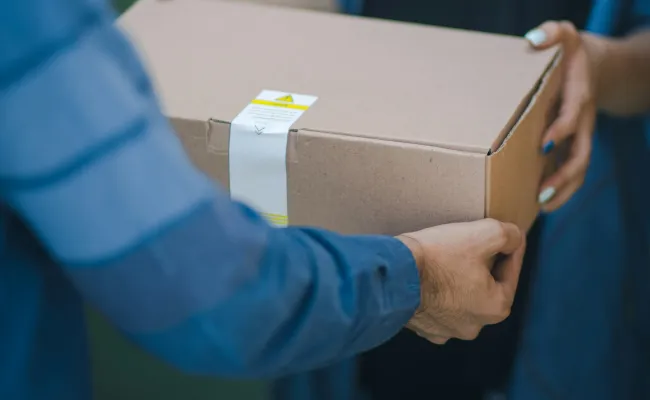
x=413, y=126
x=317, y=5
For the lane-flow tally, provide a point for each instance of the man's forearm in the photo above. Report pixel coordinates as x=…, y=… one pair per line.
x=200, y=281
x=221, y=293
x=622, y=72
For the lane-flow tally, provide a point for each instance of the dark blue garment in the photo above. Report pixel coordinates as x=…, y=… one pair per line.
x=407, y=365
x=582, y=339
x=587, y=332
x=509, y=17
x=99, y=201
x=587, y=323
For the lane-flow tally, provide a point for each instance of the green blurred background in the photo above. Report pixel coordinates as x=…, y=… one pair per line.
x=122, y=371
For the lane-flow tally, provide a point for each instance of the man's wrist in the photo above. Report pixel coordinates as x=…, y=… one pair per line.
x=416, y=250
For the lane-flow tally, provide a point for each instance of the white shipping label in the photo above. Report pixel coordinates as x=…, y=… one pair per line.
x=258, y=151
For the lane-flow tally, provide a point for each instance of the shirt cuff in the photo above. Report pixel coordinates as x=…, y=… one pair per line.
x=401, y=277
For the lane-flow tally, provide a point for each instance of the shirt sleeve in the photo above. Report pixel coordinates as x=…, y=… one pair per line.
x=91, y=165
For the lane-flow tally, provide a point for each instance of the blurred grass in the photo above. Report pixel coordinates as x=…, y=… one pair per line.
x=122, y=5
x=122, y=371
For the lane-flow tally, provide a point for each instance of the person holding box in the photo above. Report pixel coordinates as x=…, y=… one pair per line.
x=98, y=201
x=587, y=256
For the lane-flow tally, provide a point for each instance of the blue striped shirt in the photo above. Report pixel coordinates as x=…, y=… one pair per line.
x=98, y=201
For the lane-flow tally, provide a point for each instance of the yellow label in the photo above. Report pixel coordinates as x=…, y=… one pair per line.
x=276, y=219
x=287, y=98
x=278, y=104
x=257, y=152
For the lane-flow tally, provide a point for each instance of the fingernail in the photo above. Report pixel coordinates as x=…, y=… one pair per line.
x=546, y=195
x=536, y=37
x=548, y=146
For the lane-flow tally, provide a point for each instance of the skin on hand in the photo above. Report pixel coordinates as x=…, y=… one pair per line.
x=622, y=79
x=468, y=275
x=577, y=115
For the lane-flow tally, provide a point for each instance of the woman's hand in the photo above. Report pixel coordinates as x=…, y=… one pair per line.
x=577, y=115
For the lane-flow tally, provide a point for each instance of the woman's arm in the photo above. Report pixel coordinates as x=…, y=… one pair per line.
x=622, y=72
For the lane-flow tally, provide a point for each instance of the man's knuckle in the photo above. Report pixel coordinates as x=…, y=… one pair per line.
x=439, y=340
x=471, y=333
x=502, y=231
x=498, y=229
x=491, y=222
x=498, y=311
x=504, y=307
x=504, y=312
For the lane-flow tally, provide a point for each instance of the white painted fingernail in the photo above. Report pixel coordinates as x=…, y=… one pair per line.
x=536, y=37
x=546, y=195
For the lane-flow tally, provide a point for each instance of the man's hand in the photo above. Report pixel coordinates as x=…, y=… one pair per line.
x=577, y=115
x=469, y=274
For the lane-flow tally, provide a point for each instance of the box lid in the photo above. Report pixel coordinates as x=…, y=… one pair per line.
x=386, y=80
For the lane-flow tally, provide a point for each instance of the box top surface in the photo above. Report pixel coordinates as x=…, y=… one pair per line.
x=380, y=79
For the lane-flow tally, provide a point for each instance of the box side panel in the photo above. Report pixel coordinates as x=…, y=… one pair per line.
x=358, y=186
x=316, y=5
x=206, y=143
x=365, y=186
x=515, y=171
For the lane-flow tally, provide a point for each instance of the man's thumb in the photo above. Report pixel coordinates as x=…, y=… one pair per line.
x=506, y=271
x=501, y=237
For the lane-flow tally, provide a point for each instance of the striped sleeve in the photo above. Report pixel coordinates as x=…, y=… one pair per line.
x=89, y=162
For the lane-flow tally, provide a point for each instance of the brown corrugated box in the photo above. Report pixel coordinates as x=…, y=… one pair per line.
x=414, y=126
x=318, y=5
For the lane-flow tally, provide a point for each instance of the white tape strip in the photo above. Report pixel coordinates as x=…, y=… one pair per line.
x=258, y=151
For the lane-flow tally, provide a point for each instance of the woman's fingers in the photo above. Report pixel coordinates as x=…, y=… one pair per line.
x=557, y=189
x=576, y=99
x=577, y=112
x=576, y=89
x=552, y=33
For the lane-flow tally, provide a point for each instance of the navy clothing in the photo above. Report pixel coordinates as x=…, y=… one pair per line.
x=460, y=370
x=98, y=201
x=510, y=17
x=586, y=328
